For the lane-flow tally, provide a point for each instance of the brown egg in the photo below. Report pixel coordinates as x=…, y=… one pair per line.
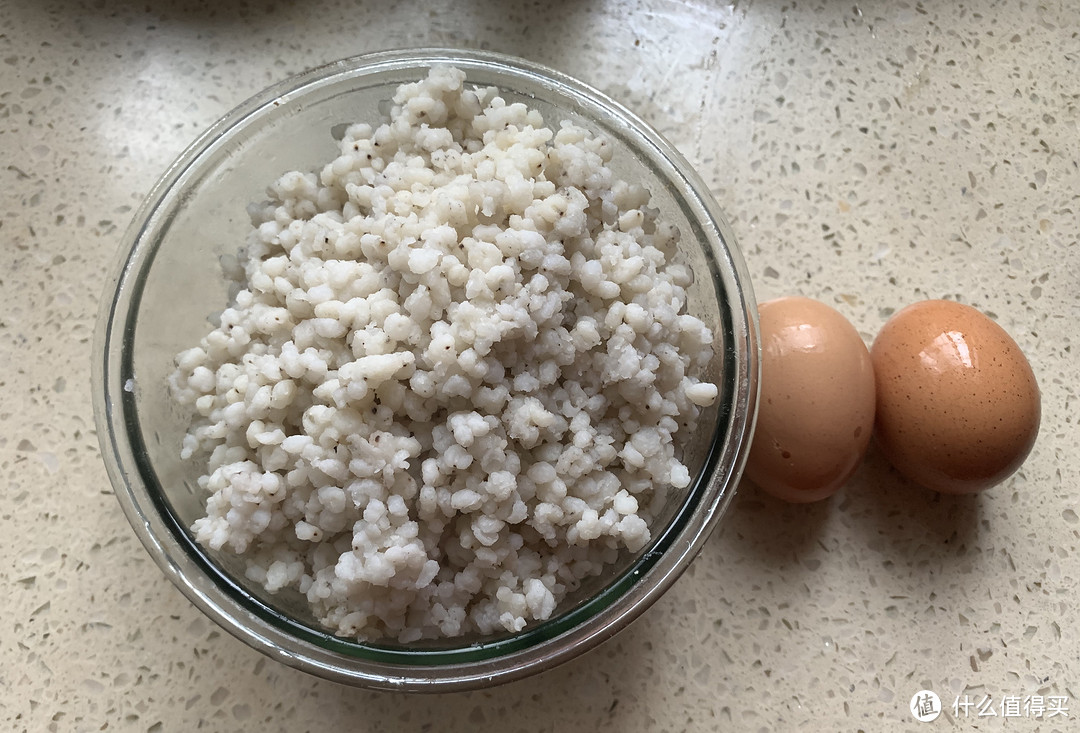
x=816, y=412
x=957, y=403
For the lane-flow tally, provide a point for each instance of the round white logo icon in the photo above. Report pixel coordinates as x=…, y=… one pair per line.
x=925, y=706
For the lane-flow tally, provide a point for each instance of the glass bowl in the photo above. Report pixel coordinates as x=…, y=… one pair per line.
x=168, y=283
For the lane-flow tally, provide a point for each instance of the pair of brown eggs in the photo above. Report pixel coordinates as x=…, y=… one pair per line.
x=949, y=395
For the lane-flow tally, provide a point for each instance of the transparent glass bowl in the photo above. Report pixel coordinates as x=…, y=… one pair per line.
x=168, y=283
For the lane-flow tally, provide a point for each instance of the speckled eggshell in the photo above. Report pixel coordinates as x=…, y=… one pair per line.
x=958, y=406
x=816, y=411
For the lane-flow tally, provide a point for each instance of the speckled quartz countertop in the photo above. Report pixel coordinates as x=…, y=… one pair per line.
x=868, y=155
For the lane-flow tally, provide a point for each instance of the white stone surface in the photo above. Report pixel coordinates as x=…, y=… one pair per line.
x=867, y=154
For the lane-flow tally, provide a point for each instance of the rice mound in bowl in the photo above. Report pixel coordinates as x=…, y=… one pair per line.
x=454, y=374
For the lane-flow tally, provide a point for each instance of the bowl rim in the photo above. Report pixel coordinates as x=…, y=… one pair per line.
x=114, y=390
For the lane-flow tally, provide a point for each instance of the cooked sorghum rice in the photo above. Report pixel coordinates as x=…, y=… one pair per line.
x=449, y=384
